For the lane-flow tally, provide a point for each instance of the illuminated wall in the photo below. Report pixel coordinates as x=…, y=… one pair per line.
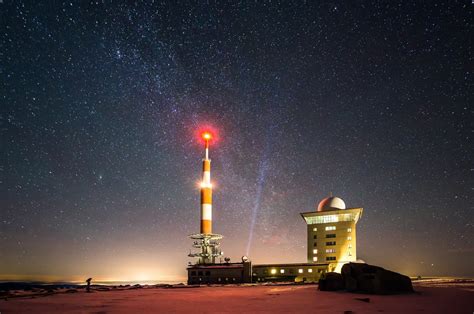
x=332, y=237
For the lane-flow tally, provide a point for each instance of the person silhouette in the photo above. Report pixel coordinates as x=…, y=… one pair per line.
x=88, y=288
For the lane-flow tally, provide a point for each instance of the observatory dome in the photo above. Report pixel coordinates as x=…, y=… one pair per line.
x=331, y=203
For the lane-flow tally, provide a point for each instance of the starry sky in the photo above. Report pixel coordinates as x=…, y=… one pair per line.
x=101, y=103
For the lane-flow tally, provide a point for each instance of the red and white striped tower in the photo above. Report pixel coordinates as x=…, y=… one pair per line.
x=206, y=189
x=206, y=241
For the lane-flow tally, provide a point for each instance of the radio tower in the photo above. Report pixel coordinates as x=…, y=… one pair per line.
x=206, y=241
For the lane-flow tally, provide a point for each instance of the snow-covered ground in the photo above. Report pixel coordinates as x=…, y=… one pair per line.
x=431, y=297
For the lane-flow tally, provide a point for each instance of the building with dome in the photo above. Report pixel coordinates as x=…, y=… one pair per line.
x=331, y=233
x=331, y=243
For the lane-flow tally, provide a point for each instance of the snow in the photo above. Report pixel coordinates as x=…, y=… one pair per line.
x=454, y=298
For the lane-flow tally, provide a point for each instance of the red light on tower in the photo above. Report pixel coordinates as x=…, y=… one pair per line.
x=207, y=136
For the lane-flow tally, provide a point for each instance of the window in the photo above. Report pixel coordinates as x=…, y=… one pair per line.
x=315, y=229
x=331, y=235
x=350, y=246
x=330, y=250
x=350, y=254
x=315, y=244
x=315, y=258
x=315, y=237
x=330, y=258
x=300, y=271
x=282, y=271
x=349, y=238
x=330, y=218
x=193, y=273
x=349, y=229
x=329, y=228
x=273, y=271
x=331, y=243
x=315, y=251
x=208, y=273
x=199, y=273
x=310, y=270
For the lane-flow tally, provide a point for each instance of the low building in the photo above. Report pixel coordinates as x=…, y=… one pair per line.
x=224, y=273
x=297, y=272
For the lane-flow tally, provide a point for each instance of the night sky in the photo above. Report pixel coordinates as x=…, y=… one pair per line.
x=101, y=104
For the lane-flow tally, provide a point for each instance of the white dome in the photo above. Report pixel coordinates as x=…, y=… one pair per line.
x=331, y=203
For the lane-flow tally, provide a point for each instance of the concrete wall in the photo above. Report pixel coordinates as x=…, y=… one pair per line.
x=215, y=276
x=220, y=273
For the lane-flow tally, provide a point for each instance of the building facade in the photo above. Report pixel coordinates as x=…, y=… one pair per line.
x=332, y=233
x=223, y=273
x=295, y=272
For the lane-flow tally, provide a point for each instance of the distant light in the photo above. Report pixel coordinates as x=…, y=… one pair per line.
x=273, y=271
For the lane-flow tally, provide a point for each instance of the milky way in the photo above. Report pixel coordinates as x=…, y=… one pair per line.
x=100, y=103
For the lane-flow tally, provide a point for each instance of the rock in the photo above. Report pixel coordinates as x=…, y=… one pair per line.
x=331, y=282
x=374, y=279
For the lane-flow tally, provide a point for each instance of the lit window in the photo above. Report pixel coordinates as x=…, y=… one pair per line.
x=349, y=238
x=282, y=271
x=330, y=218
x=315, y=258
x=300, y=270
x=329, y=228
x=315, y=229
x=349, y=229
x=273, y=271
x=310, y=270
x=330, y=250
x=315, y=251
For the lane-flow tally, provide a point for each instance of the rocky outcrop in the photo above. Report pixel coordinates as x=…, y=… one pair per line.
x=359, y=277
x=331, y=282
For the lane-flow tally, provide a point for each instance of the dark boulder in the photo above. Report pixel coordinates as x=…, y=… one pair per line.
x=374, y=279
x=331, y=282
